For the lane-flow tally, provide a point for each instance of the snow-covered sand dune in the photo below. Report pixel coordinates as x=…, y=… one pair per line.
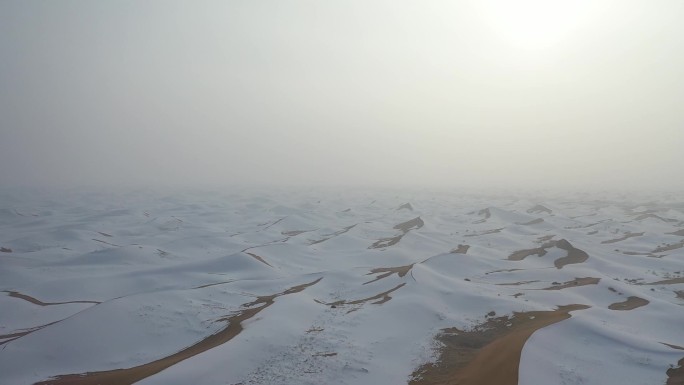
x=382, y=287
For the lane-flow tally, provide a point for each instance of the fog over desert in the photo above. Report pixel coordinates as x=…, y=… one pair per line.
x=358, y=192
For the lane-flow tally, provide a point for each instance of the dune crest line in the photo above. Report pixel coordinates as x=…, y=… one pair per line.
x=132, y=375
x=28, y=298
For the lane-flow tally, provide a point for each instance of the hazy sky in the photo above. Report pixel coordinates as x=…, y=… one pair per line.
x=436, y=93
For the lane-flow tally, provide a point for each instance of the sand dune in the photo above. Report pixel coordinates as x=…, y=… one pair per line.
x=41, y=303
x=461, y=249
x=385, y=272
x=489, y=353
x=537, y=209
x=260, y=259
x=630, y=303
x=405, y=227
x=574, y=255
x=574, y=283
x=532, y=222
x=453, y=289
x=377, y=299
x=675, y=376
x=135, y=374
x=626, y=236
x=486, y=232
x=669, y=247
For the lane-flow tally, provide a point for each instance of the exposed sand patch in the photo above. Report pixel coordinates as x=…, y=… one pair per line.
x=675, y=376
x=344, y=230
x=318, y=241
x=539, y=209
x=387, y=271
x=333, y=235
x=258, y=258
x=405, y=206
x=18, y=334
x=671, y=281
x=106, y=243
x=517, y=283
x=630, y=303
x=490, y=353
x=545, y=238
x=104, y=234
x=404, y=227
x=381, y=298
x=461, y=249
x=137, y=373
x=16, y=294
x=5, y=250
x=213, y=284
x=626, y=236
x=575, y=255
x=272, y=223
x=575, y=283
x=486, y=232
x=673, y=346
x=502, y=271
x=678, y=232
x=409, y=225
x=484, y=212
x=680, y=294
x=386, y=242
x=532, y=222
x=669, y=247
x=636, y=253
x=266, y=244
x=522, y=254
x=294, y=233
x=557, y=285
x=22, y=332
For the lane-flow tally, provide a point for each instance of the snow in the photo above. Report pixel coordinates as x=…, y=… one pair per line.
x=127, y=279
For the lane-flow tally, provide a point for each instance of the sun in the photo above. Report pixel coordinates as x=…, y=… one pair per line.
x=534, y=24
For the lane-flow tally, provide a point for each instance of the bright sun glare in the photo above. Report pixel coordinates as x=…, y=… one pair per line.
x=534, y=24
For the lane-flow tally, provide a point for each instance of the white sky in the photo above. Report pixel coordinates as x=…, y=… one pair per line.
x=415, y=93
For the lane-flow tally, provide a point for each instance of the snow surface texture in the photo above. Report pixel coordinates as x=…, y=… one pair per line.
x=122, y=280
